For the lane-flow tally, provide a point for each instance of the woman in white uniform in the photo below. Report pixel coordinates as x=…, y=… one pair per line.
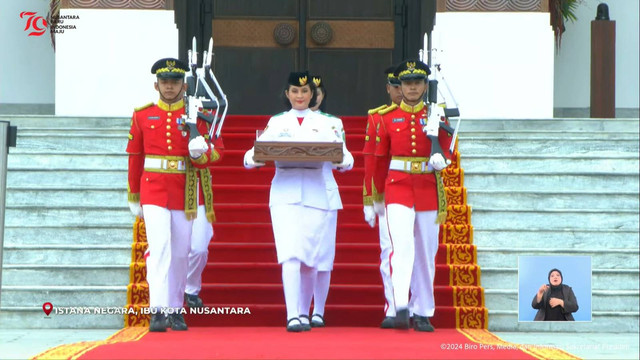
x=328, y=244
x=298, y=199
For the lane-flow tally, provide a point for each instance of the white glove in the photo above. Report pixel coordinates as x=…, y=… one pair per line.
x=379, y=208
x=346, y=164
x=369, y=215
x=437, y=162
x=249, y=163
x=197, y=147
x=136, y=209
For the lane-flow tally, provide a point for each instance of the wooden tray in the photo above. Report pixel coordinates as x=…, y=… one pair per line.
x=297, y=151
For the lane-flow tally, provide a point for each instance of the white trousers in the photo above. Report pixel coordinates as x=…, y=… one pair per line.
x=201, y=235
x=169, y=237
x=385, y=265
x=414, y=237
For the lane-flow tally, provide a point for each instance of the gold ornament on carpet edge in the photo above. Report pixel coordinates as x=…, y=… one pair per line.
x=137, y=251
x=483, y=336
x=137, y=272
x=456, y=195
x=456, y=234
x=458, y=214
x=468, y=296
x=461, y=254
x=471, y=318
x=464, y=275
x=452, y=177
x=138, y=294
x=139, y=231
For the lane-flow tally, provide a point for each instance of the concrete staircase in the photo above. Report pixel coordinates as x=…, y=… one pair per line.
x=68, y=229
x=555, y=187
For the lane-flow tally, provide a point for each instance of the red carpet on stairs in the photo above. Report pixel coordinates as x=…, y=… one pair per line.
x=242, y=271
x=325, y=343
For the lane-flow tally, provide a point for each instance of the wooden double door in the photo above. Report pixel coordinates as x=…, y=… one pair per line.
x=347, y=42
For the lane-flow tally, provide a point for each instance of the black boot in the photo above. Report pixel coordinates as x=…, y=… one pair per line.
x=193, y=301
x=176, y=321
x=402, y=319
x=421, y=323
x=158, y=323
x=388, y=322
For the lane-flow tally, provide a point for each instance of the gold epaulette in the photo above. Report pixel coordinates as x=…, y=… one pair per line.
x=143, y=106
x=388, y=109
x=373, y=111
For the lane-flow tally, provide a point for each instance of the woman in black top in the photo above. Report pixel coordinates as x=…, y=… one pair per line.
x=555, y=301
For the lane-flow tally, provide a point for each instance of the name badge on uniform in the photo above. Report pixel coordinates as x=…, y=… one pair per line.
x=153, y=118
x=284, y=133
x=397, y=120
x=423, y=121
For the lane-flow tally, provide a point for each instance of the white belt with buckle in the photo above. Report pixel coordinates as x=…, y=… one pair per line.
x=164, y=164
x=414, y=167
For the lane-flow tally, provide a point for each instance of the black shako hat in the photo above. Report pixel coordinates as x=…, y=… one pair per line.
x=169, y=68
x=299, y=78
x=391, y=78
x=317, y=81
x=411, y=70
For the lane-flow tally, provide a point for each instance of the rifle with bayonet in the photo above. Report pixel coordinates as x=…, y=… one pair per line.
x=439, y=110
x=200, y=101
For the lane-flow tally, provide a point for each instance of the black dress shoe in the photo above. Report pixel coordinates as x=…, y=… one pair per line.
x=388, y=322
x=421, y=323
x=402, y=319
x=176, y=322
x=158, y=323
x=306, y=326
x=193, y=301
x=294, y=325
x=317, y=320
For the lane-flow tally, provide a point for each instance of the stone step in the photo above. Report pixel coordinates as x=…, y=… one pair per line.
x=602, y=279
x=64, y=295
x=524, y=145
x=34, y=318
x=513, y=164
x=58, y=234
x=467, y=125
x=68, y=217
x=600, y=258
x=554, y=199
x=60, y=142
x=556, y=124
x=554, y=239
x=527, y=164
x=601, y=300
x=556, y=219
x=65, y=197
x=87, y=179
x=487, y=179
x=48, y=122
x=67, y=254
x=70, y=275
x=602, y=321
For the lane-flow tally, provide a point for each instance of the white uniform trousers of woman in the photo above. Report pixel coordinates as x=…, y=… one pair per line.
x=168, y=238
x=200, y=237
x=385, y=266
x=414, y=237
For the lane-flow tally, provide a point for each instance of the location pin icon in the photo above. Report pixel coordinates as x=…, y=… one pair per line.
x=47, y=307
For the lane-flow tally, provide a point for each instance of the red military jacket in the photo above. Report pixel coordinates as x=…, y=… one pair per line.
x=401, y=137
x=155, y=133
x=369, y=191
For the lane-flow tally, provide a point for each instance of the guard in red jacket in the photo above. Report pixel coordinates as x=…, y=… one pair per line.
x=169, y=184
x=370, y=193
x=414, y=198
